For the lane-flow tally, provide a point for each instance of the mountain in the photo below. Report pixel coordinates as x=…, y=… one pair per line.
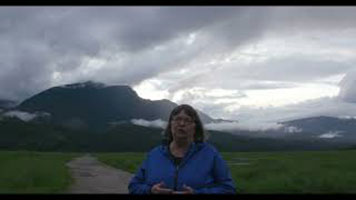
x=92, y=105
x=325, y=127
x=69, y=117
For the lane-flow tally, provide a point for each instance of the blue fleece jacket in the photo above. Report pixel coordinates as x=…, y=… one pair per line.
x=202, y=168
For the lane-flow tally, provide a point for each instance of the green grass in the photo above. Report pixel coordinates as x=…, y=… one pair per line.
x=323, y=172
x=295, y=172
x=127, y=161
x=34, y=172
x=319, y=172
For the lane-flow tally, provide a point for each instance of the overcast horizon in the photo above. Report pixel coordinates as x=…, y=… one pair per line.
x=255, y=64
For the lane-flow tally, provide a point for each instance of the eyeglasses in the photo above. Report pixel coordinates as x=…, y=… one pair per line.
x=185, y=120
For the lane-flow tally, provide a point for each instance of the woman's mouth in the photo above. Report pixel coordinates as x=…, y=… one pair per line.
x=181, y=131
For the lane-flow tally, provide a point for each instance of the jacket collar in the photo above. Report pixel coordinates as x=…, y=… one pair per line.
x=193, y=148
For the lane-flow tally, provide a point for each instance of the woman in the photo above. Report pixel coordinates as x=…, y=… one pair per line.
x=185, y=164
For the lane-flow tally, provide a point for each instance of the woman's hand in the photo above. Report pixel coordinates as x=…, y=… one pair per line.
x=159, y=189
x=186, y=190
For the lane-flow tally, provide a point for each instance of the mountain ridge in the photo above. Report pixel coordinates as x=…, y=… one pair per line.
x=95, y=105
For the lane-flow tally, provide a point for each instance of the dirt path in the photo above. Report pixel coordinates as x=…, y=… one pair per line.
x=92, y=176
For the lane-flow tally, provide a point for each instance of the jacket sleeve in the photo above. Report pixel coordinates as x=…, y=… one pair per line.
x=138, y=183
x=224, y=184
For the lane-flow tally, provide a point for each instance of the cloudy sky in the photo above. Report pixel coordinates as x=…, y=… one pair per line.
x=252, y=64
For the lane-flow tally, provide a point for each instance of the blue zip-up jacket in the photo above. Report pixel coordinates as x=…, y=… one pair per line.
x=202, y=168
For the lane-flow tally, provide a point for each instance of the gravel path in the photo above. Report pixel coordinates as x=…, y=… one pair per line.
x=92, y=176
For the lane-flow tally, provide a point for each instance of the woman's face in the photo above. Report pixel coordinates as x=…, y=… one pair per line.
x=183, y=127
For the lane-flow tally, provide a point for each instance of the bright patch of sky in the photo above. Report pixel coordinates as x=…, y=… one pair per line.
x=282, y=97
x=245, y=60
x=151, y=89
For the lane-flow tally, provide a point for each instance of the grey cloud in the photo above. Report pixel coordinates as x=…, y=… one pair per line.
x=347, y=87
x=22, y=69
x=325, y=106
x=230, y=82
x=37, y=41
x=275, y=73
x=169, y=22
x=67, y=34
x=297, y=69
x=299, y=19
x=287, y=71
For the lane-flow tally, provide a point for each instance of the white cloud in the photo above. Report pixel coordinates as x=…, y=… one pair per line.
x=331, y=134
x=24, y=116
x=244, y=125
x=347, y=117
x=158, y=123
x=151, y=89
x=292, y=129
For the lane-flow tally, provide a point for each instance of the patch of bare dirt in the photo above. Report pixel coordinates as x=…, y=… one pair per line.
x=92, y=176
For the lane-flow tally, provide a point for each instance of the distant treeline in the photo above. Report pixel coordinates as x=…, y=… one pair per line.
x=126, y=137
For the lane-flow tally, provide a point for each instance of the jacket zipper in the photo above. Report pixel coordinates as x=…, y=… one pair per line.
x=177, y=170
x=176, y=178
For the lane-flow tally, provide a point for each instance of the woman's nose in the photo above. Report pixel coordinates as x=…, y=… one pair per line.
x=181, y=122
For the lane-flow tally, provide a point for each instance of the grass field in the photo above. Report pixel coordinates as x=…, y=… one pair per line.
x=319, y=172
x=323, y=172
x=34, y=172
